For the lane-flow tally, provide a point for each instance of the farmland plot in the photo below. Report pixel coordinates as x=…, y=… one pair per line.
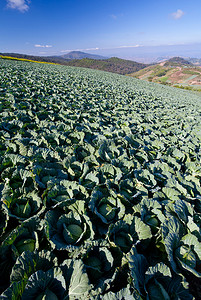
x=99, y=184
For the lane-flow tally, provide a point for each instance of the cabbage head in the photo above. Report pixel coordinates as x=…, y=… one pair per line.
x=67, y=230
x=99, y=263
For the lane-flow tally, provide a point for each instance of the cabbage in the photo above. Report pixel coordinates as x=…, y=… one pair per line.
x=185, y=254
x=121, y=241
x=99, y=261
x=156, y=291
x=107, y=211
x=47, y=295
x=68, y=230
x=94, y=262
x=151, y=220
x=25, y=245
x=72, y=233
x=22, y=210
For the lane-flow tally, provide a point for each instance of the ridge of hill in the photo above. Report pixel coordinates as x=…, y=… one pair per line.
x=80, y=55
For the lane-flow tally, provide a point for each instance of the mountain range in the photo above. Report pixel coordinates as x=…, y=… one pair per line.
x=80, y=55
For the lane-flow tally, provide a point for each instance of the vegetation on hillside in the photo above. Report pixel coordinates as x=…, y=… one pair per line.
x=114, y=64
x=32, y=58
x=25, y=59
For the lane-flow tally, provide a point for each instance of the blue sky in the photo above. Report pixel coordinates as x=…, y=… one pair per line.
x=108, y=27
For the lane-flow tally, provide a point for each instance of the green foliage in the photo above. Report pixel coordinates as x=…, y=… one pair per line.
x=161, y=72
x=188, y=88
x=99, y=185
x=113, y=64
x=191, y=72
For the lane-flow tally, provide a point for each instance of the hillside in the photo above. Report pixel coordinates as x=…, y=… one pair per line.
x=175, y=71
x=49, y=59
x=114, y=64
x=99, y=186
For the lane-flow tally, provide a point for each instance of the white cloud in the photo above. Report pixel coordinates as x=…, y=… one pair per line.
x=177, y=15
x=114, y=17
x=90, y=49
x=43, y=46
x=135, y=46
x=87, y=49
x=94, y=49
x=21, y=5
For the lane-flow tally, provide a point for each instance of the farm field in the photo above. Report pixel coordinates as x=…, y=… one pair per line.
x=186, y=76
x=99, y=185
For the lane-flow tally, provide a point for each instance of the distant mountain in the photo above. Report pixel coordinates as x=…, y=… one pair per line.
x=80, y=55
x=194, y=61
x=175, y=61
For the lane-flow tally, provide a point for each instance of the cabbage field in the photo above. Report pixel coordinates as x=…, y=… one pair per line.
x=100, y=186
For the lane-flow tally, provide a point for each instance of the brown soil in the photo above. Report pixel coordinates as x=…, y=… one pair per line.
x=178, y=77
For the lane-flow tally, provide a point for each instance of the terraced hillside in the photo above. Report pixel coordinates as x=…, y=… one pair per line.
x=171, y=73
x=99, y=185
